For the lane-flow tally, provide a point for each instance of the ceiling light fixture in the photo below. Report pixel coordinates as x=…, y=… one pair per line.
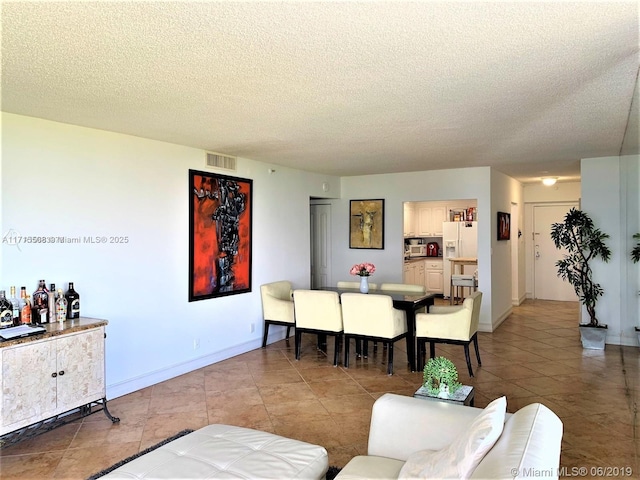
x=548, y=181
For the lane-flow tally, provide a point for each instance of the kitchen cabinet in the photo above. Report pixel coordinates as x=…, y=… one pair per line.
x=430, y=220
x=434, y=276
x=44, y=378
x=419, y=277
x=409, y=220
x=409, y=273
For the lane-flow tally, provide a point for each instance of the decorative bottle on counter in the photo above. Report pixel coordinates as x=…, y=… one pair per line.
x=73, y=302
x=6, y=311
x=23, y=299
x=40, y=310
x=61, y=307
x=16, y=307
x=25, y=311
x=52, y=303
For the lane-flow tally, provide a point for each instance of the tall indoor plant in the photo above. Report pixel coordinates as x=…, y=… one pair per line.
x=583, y=243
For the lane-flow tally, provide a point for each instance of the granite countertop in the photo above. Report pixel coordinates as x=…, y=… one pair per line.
x=55, y=329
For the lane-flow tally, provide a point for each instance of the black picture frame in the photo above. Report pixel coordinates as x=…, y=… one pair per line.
x=504, y=226
x=220, y=235
x=366, y=224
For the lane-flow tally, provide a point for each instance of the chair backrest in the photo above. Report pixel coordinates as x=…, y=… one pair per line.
x=277, y=303
x=372, y=315
x=476, y=301
x=356, y=285
x=404, y=287
x=318, y=309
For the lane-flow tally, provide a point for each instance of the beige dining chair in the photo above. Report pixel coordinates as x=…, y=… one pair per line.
x=404, y=287
x=372, y=317
x=319, y=312
x=456, y=324
x=277, y=307
x=356, y=285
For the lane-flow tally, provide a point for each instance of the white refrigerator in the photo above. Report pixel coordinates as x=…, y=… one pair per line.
x=459, y=239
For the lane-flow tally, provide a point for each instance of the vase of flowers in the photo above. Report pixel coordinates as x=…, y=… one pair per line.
x=363, y=270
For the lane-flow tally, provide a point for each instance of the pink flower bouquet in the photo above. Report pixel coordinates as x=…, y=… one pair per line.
x=363, y=269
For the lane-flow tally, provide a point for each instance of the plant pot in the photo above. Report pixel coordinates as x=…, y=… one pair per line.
x=593, y=337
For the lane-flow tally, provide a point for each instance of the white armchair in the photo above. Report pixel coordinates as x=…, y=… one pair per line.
x=450, y=324
x=277, y=307
x=372, y=317
x=318, y=311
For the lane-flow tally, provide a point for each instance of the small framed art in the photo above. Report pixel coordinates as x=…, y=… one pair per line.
x=504, y=226
x=366, y=224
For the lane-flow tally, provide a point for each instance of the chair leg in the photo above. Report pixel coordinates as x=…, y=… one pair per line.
x=264, y=336
x=336, y=350
x=358, y=348
x=432, y=350
x=365, y=348
x=347, y=340
x=422, y=347
x=468, y=358
x=288, y=332
x=390, y=359
x=475, y=344
x=298, y=341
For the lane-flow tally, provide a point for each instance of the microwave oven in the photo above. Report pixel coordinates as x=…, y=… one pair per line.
x=417, y=250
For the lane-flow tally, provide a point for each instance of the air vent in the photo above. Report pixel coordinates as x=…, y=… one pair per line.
x=218, y=160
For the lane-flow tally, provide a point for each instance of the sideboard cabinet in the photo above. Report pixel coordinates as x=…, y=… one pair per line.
x=45, y=376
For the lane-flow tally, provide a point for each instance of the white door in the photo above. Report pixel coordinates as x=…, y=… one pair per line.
x=320, y=245
x=547, y=284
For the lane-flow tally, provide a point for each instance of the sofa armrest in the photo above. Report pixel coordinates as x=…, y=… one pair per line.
x=401, y=425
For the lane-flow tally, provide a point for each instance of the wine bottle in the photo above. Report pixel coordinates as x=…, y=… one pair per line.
x=52, y=303
x=16, y=307
x=40, y=309
x=23, y=299
x=73, y=302
x=25, y=312
x=61, y=306
x=6, y=311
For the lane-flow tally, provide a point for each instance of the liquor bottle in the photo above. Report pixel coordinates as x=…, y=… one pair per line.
x=6, y=311
x=52, y=303
x=61, y=306
x=16, y=307
x=40, y=309
x=25, y=312
x=23, y=299
x=73, y=302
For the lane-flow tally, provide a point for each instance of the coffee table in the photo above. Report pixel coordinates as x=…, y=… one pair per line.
x=464, y=396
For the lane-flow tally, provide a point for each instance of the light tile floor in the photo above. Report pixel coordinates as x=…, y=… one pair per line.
x=534, y=356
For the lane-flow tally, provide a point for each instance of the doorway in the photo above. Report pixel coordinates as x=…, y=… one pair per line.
x=547, y=284
x=320, y=216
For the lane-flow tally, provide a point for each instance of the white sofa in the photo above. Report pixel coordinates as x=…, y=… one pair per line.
x=529, y=446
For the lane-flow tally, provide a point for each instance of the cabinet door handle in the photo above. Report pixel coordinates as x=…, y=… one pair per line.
x=61, y=372
x=54, y=375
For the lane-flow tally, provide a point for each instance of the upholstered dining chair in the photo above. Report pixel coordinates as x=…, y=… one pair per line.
x=356, y=285
x=372, y=317
x=404, y=287
x=450, y=324
x=319, y=312
x=277, y=306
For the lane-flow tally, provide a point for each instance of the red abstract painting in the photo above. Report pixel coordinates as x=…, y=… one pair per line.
x=220, y=235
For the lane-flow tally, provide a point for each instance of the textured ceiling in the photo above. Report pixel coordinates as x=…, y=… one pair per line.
x=345, y=88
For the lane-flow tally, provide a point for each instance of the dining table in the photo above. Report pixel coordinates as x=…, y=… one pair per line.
x=410, y=303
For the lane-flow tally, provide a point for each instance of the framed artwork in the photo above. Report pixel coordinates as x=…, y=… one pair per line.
x=366, y=224
x=219, y=235
x=504, y=226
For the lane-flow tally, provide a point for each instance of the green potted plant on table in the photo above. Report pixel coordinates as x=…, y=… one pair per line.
x=583, y=243
x=440, y=377
x=635, y=258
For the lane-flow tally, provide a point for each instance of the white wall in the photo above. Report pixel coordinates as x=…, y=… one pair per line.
x=611, y=197
x=63, y=180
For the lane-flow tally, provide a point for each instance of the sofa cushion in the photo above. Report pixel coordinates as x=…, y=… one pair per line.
x=370, y=468
x=462, y=456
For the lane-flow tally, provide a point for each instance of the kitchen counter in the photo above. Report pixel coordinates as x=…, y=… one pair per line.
x=419, y=259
